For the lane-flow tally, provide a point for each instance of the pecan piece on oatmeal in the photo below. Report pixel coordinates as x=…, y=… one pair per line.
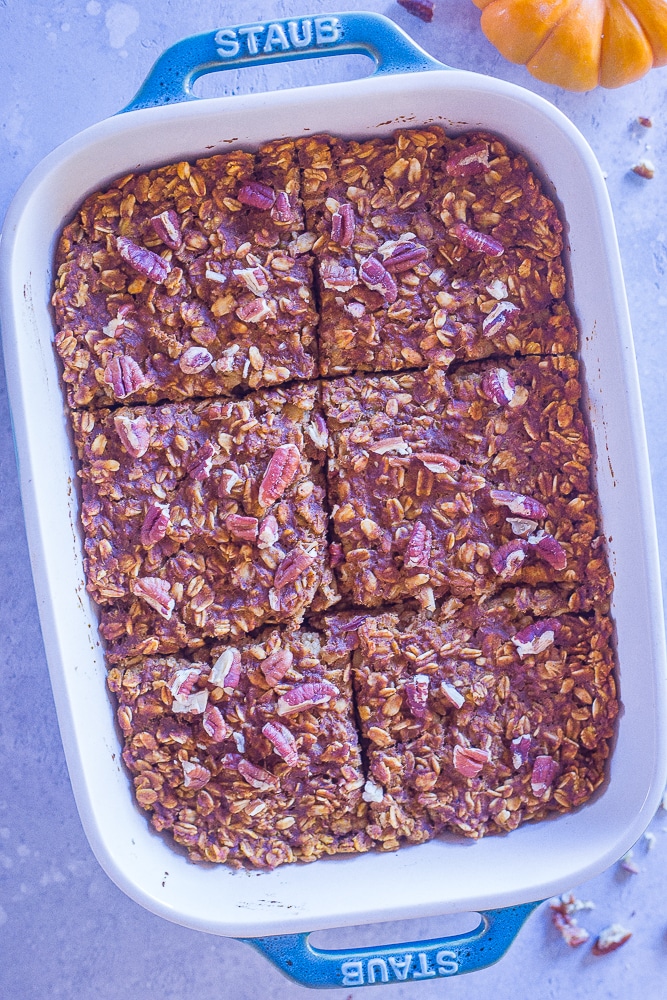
x=124, y=376
x=280, y=472
x=143, y=261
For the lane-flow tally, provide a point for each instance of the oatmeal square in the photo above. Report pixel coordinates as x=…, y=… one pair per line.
x=186, y=281
x=484, y=717
x=430, y=250
x=203, y=519
x=249, y=754
x=458, y=484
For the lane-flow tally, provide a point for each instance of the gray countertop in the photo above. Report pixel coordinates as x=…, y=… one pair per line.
x=66, y=931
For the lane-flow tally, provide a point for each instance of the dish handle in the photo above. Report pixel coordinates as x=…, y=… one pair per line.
x=419, y=960
x=283, y=40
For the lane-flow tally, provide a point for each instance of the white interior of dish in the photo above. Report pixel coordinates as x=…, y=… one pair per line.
x=535, y=861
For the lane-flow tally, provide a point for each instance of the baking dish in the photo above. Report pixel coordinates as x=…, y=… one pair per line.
x=444, y=876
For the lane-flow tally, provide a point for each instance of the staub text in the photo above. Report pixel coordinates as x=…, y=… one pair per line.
x=277, y=36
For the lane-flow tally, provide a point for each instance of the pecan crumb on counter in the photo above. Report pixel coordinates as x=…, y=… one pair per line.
x=423, y=9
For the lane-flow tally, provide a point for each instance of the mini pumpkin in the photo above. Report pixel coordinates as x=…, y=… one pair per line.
x=579, y=44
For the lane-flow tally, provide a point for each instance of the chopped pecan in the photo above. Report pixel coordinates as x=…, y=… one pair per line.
x=451, y=694
x=195, y=775
x=283, y=742
x=228, y=480
x=214, y=724
x=477, y=242
x=508, y=559
x=372, y=792
x=317, y=431
x=292, y=567
x=245, y=528
x=226, y=671
x=182, y=682
x=518, y=504
x=194, y=360
x=423, y=9
x=469, y=761
x=536, y=637
x=375, y=276
x=342, y=225
x=572, y=933
x=133, y=433
x=124, y=376
x=276, y=665
x=544, y=772
x=254, y=278
x=143, y=261
x=256, y=310
x=282, y=211
x=520, y=749
x=418, y=549
x=280, y=472
x=167, y=227
x=610, y=939
x=199, y=466
x=156, y=593
x=256, y=776
x=194, y=703
x=416, y=693
x=155, y=524
x=396, y=444
x=499, y=386
x=521, y=526
x=628, y=864
x=268, y=532
x=469, y=161
x=257, y=195
x=438, y=463
x=549, y=550
x=499, y=317
x=402, y=255
x=305, y=696
x=337, y=276
x=645, y=169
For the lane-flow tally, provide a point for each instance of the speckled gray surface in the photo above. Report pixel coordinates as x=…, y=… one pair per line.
x=65, y=930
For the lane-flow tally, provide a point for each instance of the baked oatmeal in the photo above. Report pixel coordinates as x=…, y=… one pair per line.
x=460, y=484
x=338, y=372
